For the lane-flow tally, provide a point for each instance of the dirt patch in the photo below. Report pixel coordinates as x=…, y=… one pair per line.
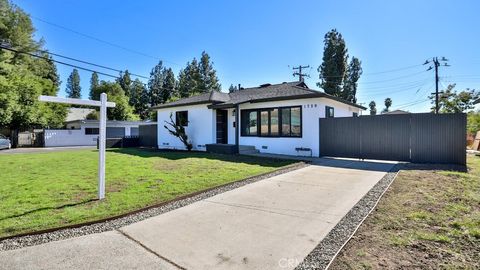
x=428, y=219
x=166, y=165
x=115, y=186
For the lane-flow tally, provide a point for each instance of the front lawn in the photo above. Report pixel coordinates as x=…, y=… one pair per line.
x=46, y=190
x=428, y=219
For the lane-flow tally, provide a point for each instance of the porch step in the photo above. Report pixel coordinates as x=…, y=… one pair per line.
x=247, y=149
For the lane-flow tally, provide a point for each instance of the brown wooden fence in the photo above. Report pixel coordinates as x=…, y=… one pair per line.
x=419, y=137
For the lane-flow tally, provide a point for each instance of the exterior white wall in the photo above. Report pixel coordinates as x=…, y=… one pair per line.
x=312, y=110
x=68, y=137
x=127, y=126
x=75, y=135
x=200, y=130
x=231, y=129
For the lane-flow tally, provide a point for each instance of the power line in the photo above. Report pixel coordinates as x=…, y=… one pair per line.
x=59, y=62
x=392, y=70
x=393, y=79
x=393, y=89
x=413, y=103
x=377, y=73
x=299, y=73
x=92, y=64
x=101, y=40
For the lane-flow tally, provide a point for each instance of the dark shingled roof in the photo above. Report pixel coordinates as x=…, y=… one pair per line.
x=265, y=92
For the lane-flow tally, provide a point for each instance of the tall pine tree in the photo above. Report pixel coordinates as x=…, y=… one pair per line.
x=183, y=86
x=169, y=83
x=155, y=84
x=198, y=77
x=125, y=82
x=208, y=76
x=73, y=88
x=140, y=99
x=354, y=71
x=334, y=66
x=93, y=84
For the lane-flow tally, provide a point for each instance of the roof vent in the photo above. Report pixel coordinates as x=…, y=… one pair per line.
x=265, y=85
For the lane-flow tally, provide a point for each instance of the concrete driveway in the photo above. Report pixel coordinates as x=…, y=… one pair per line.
x=270, y=224
x=44, y=149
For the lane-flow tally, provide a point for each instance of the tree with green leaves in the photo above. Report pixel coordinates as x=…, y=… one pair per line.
x=125, y=82
x=140, y=99
x=208, y=75
x=122, y=110
x=232, y=88
x=388, y=104
x=373, y=107
x=334, y=66
x=73, y=88
x=188, y=80
x=93, y=84
x=473, y=122
x=23, y=77
x=155, y=84
x=451, y=101
x=169, y=85
x=184, y=84
x=198, y=77
x=354, y=71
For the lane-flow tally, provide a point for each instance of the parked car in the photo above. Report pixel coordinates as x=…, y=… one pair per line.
x=5, y=142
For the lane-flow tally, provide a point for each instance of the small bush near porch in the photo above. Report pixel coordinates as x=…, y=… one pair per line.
x=46, y=190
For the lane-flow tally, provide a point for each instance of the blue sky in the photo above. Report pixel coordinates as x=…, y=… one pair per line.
x=255, y=42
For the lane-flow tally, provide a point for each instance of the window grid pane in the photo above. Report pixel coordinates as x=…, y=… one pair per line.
x=264, y=123
x=272, y=122
x=252, y=123
x=286, y=122
x=295, y=119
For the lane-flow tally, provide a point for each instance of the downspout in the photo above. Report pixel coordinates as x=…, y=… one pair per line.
x=237, y=124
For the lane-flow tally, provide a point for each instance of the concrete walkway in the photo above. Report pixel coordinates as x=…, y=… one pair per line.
x=270, y=224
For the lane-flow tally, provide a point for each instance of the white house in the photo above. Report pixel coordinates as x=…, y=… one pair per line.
x=85, y=132
x=280, y=119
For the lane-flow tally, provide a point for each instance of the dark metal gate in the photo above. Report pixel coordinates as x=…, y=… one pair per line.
x=148, y=135
x=422, y=138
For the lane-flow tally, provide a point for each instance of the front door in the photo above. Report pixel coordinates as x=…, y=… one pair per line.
x=222, y=126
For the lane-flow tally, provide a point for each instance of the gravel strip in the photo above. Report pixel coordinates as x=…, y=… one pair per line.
x=30, y=240
x=327, y=249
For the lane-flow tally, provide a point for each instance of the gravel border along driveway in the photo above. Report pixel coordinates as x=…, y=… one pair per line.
x=36, y=239
x=326, y=251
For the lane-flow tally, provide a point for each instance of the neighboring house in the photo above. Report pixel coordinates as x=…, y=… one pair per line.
x=85, y=132
x=75, y=114
x=280, y=118
x=396, y=112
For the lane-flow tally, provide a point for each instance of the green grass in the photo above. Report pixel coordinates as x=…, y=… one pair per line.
x=428, y=219
x=46, y=190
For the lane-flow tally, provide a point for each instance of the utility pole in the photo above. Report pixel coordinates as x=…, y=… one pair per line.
x=299, y=73
x=436, y=63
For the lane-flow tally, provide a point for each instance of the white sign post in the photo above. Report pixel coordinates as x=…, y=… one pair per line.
x=103, y=104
